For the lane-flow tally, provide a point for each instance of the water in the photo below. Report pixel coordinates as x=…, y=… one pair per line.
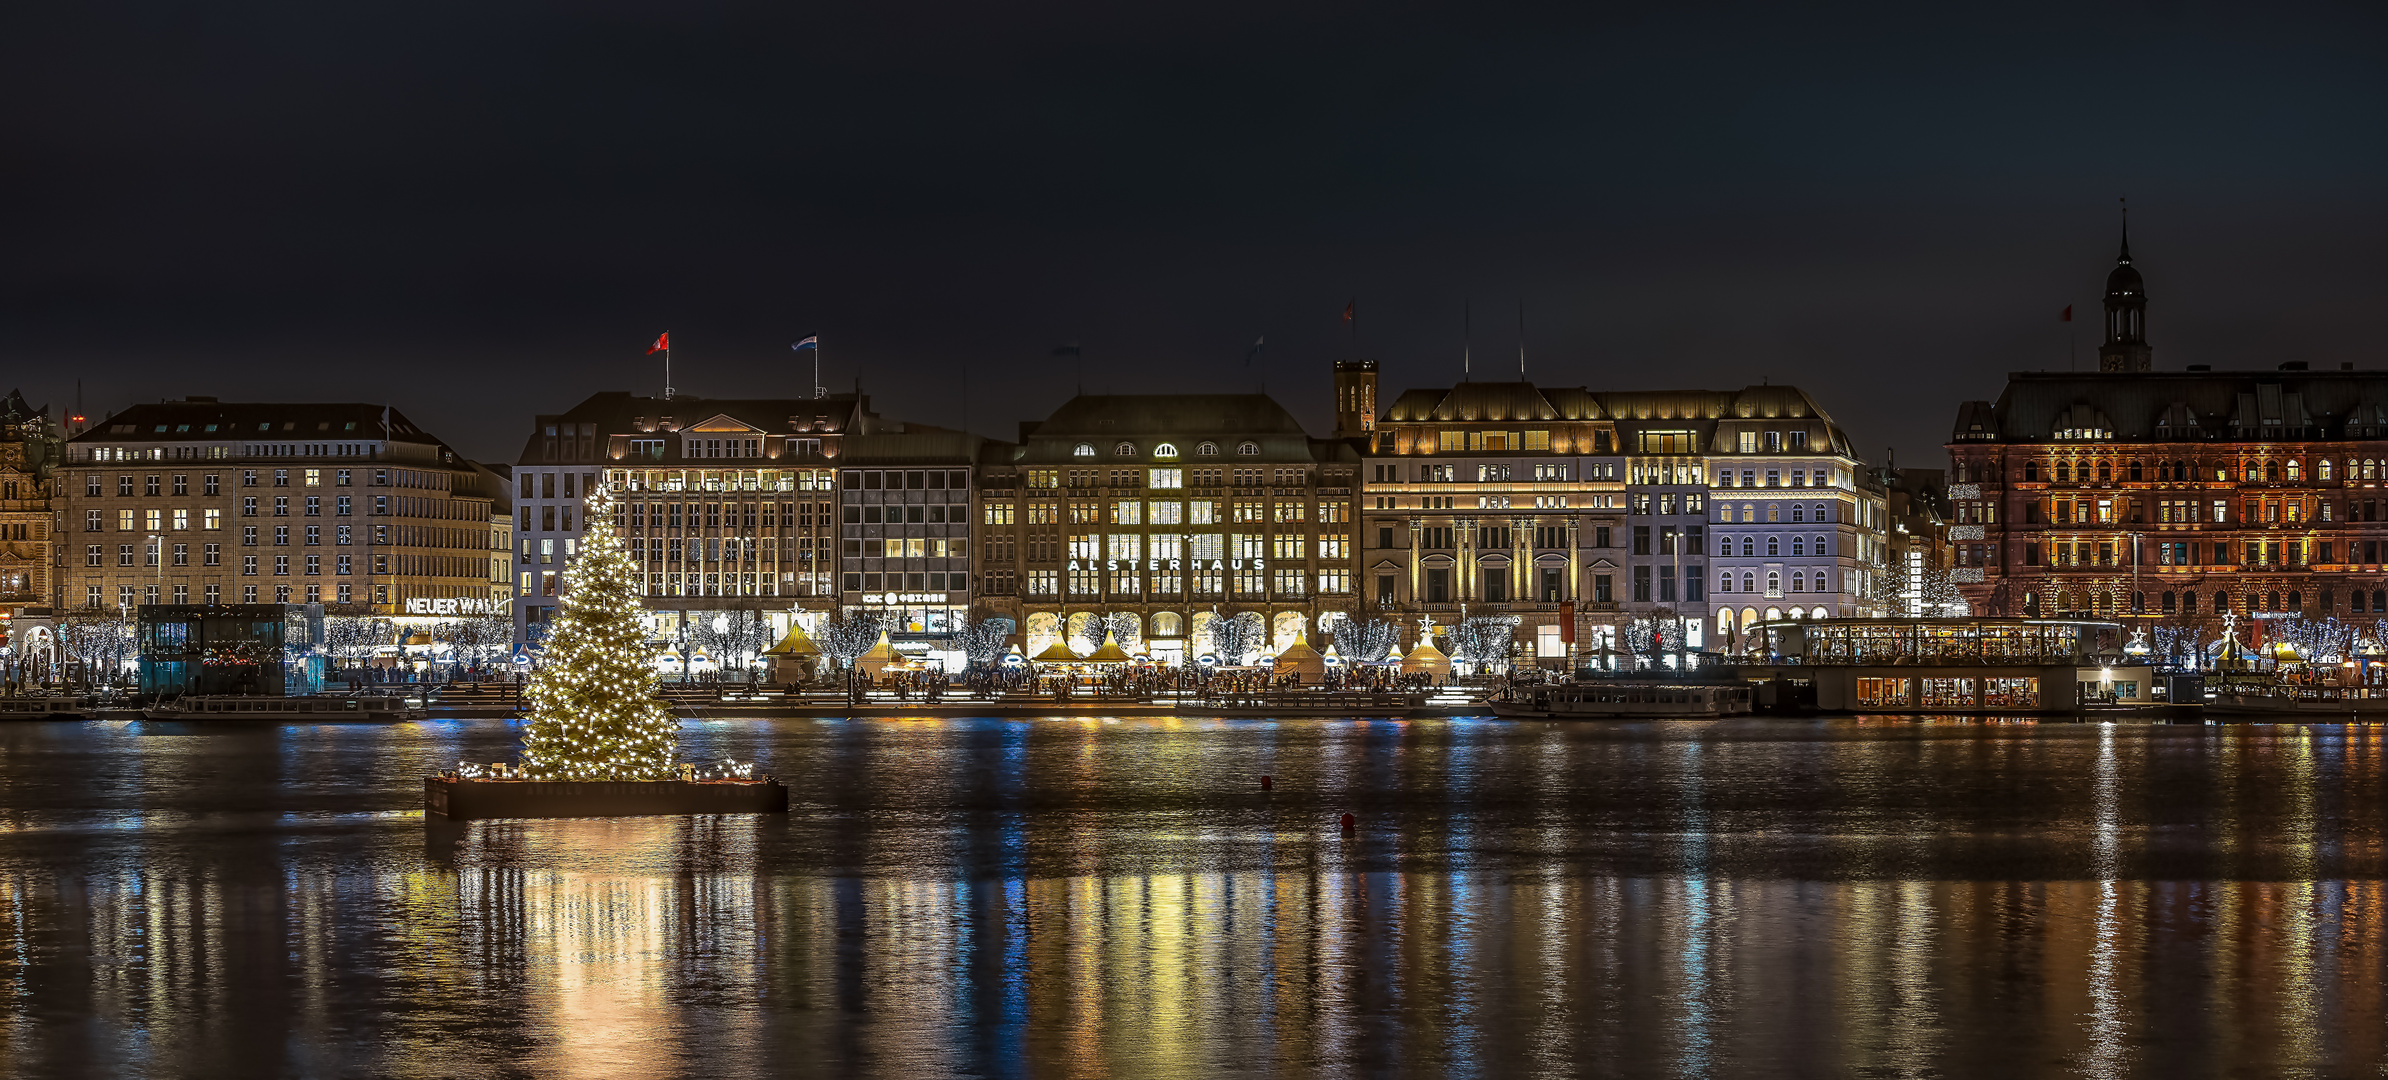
x=1075, y=897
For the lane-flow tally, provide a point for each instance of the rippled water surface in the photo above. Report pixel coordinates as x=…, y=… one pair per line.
x=1076, y=897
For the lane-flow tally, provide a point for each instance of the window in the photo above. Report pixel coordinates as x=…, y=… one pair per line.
x=1125, y=449
x=1247, y=449
x=1083, y=450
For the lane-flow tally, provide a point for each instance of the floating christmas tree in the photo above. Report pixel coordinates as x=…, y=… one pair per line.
x=593, y=712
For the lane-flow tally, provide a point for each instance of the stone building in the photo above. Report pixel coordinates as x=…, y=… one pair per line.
x=30, y=449
x=205, y=502
x=1162, y=512
x=728, y=504
x=1600, y=519
x=2187, y=495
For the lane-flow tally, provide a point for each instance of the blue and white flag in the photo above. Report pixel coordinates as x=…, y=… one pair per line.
x=813, y=342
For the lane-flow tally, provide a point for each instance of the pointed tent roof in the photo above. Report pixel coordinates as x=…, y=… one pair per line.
x=1056, y=653
x=883, y=653
x=796, y=643
x=1300, y=657
x=1425, y=658
x=1110, y=653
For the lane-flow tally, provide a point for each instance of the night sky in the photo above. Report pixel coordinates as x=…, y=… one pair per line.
x=478, y=211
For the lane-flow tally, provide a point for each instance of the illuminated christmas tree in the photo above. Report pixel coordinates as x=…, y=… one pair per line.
x=593, y=710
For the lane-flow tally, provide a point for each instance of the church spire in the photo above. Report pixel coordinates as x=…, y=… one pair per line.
x=2126, y=347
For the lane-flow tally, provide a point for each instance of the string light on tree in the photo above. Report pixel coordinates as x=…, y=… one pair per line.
x=594, y=714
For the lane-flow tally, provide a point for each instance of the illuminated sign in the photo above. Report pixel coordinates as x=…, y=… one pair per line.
x=452, y=605
x=904, y=598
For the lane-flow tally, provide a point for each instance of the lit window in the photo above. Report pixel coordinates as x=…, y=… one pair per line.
x=1084, y=450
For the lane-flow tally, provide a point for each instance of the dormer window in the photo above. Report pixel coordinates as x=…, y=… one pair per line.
x=1126, y=449
x=1208, y=449
x=1165, y=450
x=1247, y=448
x=1083, y=450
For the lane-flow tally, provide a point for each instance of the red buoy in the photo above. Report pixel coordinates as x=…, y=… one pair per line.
x=1266, y=783
x=1349, y=822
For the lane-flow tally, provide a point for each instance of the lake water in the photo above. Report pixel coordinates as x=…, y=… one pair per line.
x=1073, y=897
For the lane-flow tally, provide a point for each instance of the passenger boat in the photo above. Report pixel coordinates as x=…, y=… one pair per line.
x=41, y=708
x=371, y=708
x=1623, y=700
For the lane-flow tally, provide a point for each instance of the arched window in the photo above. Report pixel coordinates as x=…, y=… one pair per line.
x=1799, y=581
x=1166, y=624
x=1816, y=512
x=1798, y=512
x=1749, y=582
x=1748, y=512
x=2188, y=603
x=1817, y=548
x=2324, y=466
x=2293, y=470
x=2271, y=472
x=1165, y=450
x=2371, y=468
x=2172, y=602
x=1773, y=613
x=1774, y=584
x=2031, y=603
x=1774, y=546
x=2271, y=601
x=2105, y=472
x=2064, y=472
x=1724, y=623
x=1799, y=546
x=1126, y=449
x=2031, y=471
x=1724, y=582
x=1084, y=449
x=1208, y=449
x=2135, y=470
x=2221, y=602
x=1247, y=449
x=1749, y=546
x=2296, y=601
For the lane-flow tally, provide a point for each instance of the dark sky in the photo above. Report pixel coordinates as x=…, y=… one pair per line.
x=478, y=211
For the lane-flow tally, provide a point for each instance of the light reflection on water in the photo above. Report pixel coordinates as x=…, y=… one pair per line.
x=1073, y=899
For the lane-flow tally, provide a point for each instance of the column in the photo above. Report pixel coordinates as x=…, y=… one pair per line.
x=1416, y=596
x=1466, y=528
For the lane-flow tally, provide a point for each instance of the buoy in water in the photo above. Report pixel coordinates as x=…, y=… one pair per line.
x=1267, y=783
x=1349, y=822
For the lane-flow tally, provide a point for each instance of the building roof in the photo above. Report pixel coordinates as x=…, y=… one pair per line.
x=2148, y=406
x=1142, y=424
x=204, y=419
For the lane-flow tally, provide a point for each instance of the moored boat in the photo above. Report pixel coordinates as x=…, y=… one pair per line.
x=41, y=708
x=1623, y=700
x=370, y=708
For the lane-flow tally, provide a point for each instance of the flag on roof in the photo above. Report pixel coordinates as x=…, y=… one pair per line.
x=663, y=343
x=811, y=341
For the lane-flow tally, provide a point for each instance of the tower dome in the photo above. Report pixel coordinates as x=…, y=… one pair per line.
x=2126, y=347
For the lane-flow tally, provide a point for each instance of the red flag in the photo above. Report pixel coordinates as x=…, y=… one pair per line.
x=663, y=341
x=1347, y=310
x=2067, y=316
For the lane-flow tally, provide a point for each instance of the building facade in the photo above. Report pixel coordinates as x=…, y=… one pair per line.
x=726, y=504
x=1160, y=513
x=906, y=529
x=205, y=502
x=1616, y=521
x=30, y=449
x=2190, y=495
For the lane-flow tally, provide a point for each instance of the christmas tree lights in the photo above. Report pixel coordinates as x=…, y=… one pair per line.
x=594, y=714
